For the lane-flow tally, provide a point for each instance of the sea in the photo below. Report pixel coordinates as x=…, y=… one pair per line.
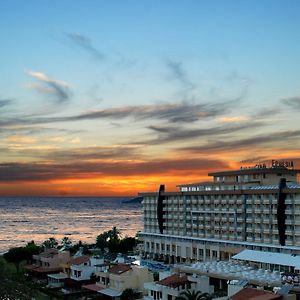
x=23, y=219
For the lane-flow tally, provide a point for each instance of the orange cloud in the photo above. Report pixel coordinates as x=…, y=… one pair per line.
x=234, y=119
x=20, y=139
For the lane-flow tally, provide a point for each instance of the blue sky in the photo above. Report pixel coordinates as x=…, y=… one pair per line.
x=159, y=77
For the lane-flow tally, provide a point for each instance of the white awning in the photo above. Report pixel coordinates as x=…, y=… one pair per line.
x=281, y=259
x=58, y=276
x=110, y=292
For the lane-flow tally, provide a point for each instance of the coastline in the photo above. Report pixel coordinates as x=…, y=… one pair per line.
x=81, y=219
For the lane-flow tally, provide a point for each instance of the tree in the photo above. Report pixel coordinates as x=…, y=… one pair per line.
x=109, y=239
x=17, y=255
x=114, y=233
x=66, y=242
x=50, y=243
x=193, y=295
x=5, y=270
x=33, y=248
x=127, y=244
x=101, y=240
x=128, y=294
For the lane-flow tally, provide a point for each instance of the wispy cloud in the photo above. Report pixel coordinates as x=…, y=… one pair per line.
x=267, y=113
x=85, y=43
x=238, y=119
x=53, y=153
x=169, y=134
x=15, y=172
x=19, y=139
x=14, y=129
x=5, y=102
x=293, y=102
x=59, y=89
x=279, y=138
x=177, y=72
x=180, y=112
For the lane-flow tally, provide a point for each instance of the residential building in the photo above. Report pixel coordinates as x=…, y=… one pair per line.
x=51, y=258
x=81, y=271
x=255, y=208
x=83, y=267
x=50, y=261
x=170, y=287
x=120, y=277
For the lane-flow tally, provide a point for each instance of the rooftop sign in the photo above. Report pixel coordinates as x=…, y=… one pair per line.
x=282, y=164
x=274, y=164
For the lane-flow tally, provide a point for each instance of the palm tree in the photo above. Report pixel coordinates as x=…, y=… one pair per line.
x=66, y=242
x=114, y=233
x=193, y=295
x=50, y=243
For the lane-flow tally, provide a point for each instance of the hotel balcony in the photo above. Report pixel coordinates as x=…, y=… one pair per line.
x=289, y=232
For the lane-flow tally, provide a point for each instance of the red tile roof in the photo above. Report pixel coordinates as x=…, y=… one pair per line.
x=80, y=260
x=93, y=287
x=119, y=269
x=31, y=267
x=49, y=253
x=46, y=270
x=174, y=281
x=254, y=294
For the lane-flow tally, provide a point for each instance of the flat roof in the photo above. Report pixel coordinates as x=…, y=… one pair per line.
x=93, y=287
x=207, y=183
x=246, y=171
x=251, y=191
x=282, y=259
x=110, y=292
x=58, y=276
x=249, y=293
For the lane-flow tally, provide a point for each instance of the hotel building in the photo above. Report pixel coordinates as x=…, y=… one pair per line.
x=255, y=208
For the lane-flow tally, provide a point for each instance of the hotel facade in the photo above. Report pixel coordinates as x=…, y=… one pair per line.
x=255, y=208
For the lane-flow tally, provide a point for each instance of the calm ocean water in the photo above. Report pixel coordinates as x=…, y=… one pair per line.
x=79, y=218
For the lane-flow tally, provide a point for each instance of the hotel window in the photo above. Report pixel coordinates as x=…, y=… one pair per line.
x=194, y=251
x=207, y=253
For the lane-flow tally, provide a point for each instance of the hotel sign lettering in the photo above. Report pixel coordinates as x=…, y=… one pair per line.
x=285, y=164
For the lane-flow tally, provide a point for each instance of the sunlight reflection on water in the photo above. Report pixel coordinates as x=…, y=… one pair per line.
x=26, y=219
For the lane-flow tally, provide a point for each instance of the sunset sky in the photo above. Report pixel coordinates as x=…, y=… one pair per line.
x=117, y=97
